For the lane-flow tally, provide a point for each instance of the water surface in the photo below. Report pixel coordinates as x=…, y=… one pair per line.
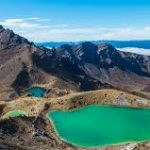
x=36, y=91
x=15, y=113
x=94, y=126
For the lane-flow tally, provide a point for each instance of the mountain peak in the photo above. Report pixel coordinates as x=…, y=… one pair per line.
x=85, y=44
x=9, y=39
x=106, y=48
x=1, y=27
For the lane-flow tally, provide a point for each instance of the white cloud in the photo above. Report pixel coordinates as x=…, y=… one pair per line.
x=33, y=18
x=79, y=34
x=30, y=24
x=24, y=23
x=38, y=19
x=41, y=29
x=135, y=50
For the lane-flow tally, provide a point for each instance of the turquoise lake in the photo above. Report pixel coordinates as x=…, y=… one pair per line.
x=36, y=91
x=94, y=126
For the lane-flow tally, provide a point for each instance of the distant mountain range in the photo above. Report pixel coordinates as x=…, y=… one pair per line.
x=89, y=66
x=119, y=44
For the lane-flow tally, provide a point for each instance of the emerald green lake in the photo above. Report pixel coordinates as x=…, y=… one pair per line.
x=36, y=91
x=94, y=126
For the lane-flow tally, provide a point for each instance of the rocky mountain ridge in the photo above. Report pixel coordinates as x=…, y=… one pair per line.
x=89, y=66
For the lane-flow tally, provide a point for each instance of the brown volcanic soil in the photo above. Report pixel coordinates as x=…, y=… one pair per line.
x=35, y=132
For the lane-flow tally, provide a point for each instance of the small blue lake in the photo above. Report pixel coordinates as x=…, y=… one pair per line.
x=36, y=91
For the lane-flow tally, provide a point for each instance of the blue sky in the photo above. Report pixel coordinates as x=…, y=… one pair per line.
x=74, y=20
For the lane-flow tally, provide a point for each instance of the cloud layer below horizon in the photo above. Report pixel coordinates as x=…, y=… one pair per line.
x=43, y=30
x=135, y=50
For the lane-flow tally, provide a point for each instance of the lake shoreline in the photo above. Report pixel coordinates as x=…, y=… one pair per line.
x=105, y=145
